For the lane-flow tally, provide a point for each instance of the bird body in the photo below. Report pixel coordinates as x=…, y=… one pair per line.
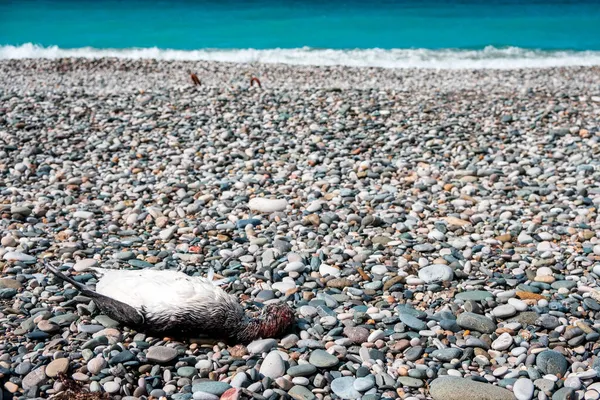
x=173, y=303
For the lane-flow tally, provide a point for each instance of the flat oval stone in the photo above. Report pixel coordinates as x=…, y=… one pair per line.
x=412, y=322
x=476, y=322
x=475, y=295
x=455, y=388
x=344, y=387
x=262, y=204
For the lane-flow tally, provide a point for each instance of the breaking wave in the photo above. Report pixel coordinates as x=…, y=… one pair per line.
x=489, y=57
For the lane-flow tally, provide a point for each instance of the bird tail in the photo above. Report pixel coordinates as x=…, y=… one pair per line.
x=80, y=286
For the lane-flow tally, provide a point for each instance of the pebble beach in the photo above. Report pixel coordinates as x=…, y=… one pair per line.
x=436, y=231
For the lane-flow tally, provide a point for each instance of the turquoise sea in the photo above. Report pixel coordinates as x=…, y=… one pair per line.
x=388, y=33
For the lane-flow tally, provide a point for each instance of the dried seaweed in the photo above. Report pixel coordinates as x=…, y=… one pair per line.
x=75, y=391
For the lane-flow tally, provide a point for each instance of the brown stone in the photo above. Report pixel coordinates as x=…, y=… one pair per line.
x=11, y=387
x=504, y=238
x=47, y=326
x=238, y=351
x=356, y=334
x=545, y=279
x=391, y=282
x=339, y=283
x=8, y=283
x=312, y=219
x=401, y=345
x=529, y=296
x=57, y=367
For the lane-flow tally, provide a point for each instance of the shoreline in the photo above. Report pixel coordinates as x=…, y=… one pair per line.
x=110, y=73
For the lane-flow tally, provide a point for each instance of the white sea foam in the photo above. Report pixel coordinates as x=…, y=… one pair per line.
x=490, y=57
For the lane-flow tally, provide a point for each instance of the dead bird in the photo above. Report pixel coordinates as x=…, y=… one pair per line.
x=171, y=303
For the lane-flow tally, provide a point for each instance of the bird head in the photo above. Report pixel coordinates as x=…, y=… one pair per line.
x=276, y=319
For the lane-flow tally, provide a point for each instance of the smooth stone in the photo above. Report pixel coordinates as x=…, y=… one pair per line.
x=303, y=370
x=503, y=342
x=322, y=359
x=564, y=393
x=410, y=382
x=344, y=388
x=85, y=264
x=261, y=346
x=504, y=311
x=161, y=354
x=35, y=378
x=186, y=372
x=262, y=204
x=448, y=354
x=301, y=393
x=552, y=362
x=436, y=273
x=122, y=357
x=57, y=367
x=356, y=334
x=213, y=387
x=18, y=256
x=455, y=388
x=273, y=365
x=111, y=387
x=204, y=396
x=523, y=389
x=83, y=214
x=284, y=286
x=95, y=365
x=476, y=322
x=475, y=295
x=412, y=322
x=364, y=384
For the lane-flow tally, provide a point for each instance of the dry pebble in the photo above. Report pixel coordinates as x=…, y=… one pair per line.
x=436, y=231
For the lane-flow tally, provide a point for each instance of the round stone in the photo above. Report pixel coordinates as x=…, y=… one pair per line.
x=523, y=389
x=57, y=367
x=552, y=362
x=436, y=273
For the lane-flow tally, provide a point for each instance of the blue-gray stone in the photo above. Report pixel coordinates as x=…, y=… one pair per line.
x=364, y=384
x=7, y=293
x=344, y=388
x=186, y=372
x=475, y=295
x=242, y=223
x=564, y=393
x=302, y=370
x=413, y=322
x=301, y=393
x=212, y=387
x=447, y=354
x=410, y=382
x=552, y=362
x=140, y=263
x=322, y=359
x=476, y=322
x=122, y=357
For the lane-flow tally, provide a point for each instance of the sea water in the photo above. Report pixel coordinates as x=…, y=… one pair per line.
x=386, y=33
